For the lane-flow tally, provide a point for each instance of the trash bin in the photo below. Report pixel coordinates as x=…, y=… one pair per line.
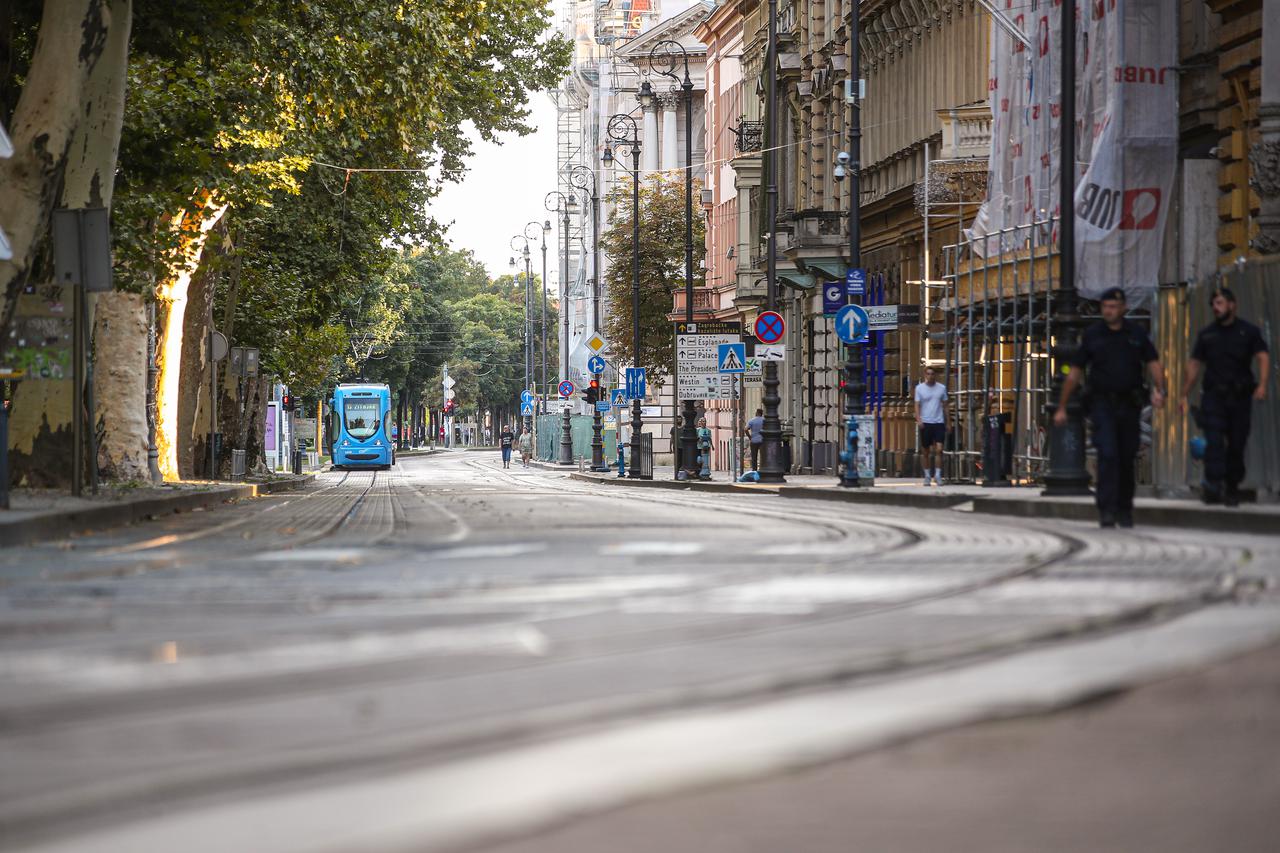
x=996, y=450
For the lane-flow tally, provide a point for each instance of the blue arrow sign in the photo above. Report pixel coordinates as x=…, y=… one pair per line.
x=635, y=383
x=833, y=297
x=855, y=282
x=526, y=396
x=851, y=324
x=732, y=358
x=618, y=397
x=595, y=364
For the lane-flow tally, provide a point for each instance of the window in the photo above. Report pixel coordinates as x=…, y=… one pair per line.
x=362, y=417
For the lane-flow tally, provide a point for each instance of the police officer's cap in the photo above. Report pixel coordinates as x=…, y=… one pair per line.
x=1112, y=293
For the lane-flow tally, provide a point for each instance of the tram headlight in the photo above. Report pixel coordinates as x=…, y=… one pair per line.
x=346, y=443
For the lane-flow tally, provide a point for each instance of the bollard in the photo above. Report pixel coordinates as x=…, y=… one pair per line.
x=622, y=460
x=297, y=461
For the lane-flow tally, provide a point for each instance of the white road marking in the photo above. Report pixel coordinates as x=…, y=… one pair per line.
x=640, y=548
x=169, y=665
x=336, y=555
x=516, y=791
x=473, y=552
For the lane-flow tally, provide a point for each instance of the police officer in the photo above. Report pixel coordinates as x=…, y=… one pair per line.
x=1224, y=350
x=1113, y=359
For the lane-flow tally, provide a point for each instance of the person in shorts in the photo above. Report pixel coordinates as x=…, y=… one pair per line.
x=931, y=417
x=526, y=447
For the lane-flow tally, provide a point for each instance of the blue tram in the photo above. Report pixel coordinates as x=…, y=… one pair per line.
x=360, y=429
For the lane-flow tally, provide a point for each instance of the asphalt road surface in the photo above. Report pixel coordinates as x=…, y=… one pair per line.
x=453, y=656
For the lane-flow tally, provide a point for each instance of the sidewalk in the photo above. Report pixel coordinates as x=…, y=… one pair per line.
x=1021, y=501
x=38, y=515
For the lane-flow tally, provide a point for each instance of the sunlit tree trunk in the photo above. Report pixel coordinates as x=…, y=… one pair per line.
x=192, y=228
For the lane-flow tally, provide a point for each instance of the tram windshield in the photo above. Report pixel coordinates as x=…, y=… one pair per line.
x=362, y=417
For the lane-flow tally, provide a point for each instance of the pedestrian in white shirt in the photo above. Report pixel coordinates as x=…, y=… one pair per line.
x=931, y=417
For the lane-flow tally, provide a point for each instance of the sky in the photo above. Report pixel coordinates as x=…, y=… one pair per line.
x=503, y=190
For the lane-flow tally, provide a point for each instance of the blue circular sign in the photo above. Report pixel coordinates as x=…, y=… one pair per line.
x=852, y=323
x=770, y=327
x=595, y=364
x=566, y=388
x=526, y=396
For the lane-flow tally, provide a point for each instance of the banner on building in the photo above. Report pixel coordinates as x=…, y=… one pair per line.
x=1127, y=138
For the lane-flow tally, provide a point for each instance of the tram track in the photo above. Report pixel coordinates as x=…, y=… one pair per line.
x=480, y=732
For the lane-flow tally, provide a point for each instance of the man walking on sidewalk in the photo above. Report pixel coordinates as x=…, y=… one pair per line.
x=755, y=429
x=1226, y=350
x=505, y=439
x=1113, y=359
x=931, y=417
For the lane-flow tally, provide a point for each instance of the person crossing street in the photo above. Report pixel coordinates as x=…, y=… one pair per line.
x=505, y=439
x=1114, y=357
x=1225, y=352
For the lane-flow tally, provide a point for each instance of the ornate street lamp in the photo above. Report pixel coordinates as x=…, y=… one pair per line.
x=528, y=325
x=565, y=205
x=583, y=178
x=622, y=131
x=664, y=53
x=855, y=386
x=542, y=232
x=771, y=465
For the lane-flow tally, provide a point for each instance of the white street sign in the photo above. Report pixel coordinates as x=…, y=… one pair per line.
x=698, y=374
x=449, y=393
x=755, y=372
x=449, y=382
x=771, y=352
x=881, y=318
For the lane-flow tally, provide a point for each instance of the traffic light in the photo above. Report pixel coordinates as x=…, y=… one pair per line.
x=592, y=392
x=287, y=401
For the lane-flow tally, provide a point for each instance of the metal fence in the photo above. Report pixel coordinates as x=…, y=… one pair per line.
x=1180, y=312
x=580, y=427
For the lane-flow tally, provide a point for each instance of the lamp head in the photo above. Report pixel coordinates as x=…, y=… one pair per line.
x=646, y=94
x=607, y=159
x=546, y=225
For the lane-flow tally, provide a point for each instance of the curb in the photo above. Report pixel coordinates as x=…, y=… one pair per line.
x=1155, y=516
x=940, y=500
x=680, y=485
x=56, y=525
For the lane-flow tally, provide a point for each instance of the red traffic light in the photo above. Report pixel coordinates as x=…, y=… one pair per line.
x=595, y=383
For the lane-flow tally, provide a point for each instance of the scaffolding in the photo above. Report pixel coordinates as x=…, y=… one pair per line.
x=997, y=311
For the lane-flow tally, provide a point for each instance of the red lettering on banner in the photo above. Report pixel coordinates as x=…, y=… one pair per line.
x=993, y=84
x=1055, y=109
x=1004, y=105
x=1017, y=149
x=1102, y=7
x=1019, y=47
x=1044, y=35
x=1139, y=74
x=1026, y=185
x=1035, y=112
x=1144, y=203
x=1044, y=160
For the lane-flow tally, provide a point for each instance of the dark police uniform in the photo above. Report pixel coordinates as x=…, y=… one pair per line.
x=1226, y=406
x=1115, y=392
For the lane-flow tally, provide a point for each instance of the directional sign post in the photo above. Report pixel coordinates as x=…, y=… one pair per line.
x=855, y=282
x=595, y=364
x=770, y=327
x=851, y=324
x=566, y=388
x=733, y=358
x=635, y=383
x=698, y=375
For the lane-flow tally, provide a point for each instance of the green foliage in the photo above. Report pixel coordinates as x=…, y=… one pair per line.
x=661, y=268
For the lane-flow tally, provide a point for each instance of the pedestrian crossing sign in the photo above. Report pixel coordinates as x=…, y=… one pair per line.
x=733, y=358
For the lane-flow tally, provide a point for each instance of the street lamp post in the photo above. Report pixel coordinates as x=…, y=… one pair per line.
x=528, y=323
x=1066, y=474
x=542, y=377
x=564, y=204
x=579, y=176
x=666, y=51
x=854, y=385
x=771, y=466
x=622, y=130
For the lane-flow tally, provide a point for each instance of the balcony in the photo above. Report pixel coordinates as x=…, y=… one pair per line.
x=750, y=135
x=704, y=301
